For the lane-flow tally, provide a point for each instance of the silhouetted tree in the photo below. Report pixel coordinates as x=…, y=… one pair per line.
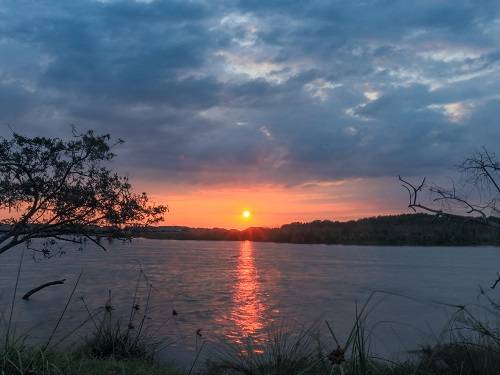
x=408, y=229
x=54, y=190
x=478, y=200
x=478, y=203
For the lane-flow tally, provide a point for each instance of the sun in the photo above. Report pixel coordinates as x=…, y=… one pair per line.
x=246, y=214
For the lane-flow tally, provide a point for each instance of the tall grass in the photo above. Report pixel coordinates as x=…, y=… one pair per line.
x=283, y=353
x=116, y=344
x=120, y=342
x=114, y=338
x=472, y=347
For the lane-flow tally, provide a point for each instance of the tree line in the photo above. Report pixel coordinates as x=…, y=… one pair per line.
x=407, y=229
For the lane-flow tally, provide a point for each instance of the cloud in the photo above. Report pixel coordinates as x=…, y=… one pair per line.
x=268, y=92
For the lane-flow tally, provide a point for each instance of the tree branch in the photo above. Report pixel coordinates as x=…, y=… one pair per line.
x=27, y=296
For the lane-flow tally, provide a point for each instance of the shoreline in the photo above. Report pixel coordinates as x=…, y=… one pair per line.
x=395, y=230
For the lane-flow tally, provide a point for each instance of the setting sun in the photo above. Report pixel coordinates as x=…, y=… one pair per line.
x=269, y=167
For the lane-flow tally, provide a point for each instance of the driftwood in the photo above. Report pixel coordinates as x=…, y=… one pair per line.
x=38, y=288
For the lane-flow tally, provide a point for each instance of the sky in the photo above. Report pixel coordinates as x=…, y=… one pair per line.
x=293, y=110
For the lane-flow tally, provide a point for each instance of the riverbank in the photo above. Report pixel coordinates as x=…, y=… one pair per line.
x=125, y=346
x=60, y=363
x=337, y=271
x=451, y=359
x=395, y=230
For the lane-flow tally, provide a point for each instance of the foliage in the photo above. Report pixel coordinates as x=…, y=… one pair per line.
x=60, y=190
x=409, y=229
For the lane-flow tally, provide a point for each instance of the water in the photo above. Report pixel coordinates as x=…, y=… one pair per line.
x=230, y=290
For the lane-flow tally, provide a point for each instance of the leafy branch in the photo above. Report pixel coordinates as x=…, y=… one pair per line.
x=61, y=190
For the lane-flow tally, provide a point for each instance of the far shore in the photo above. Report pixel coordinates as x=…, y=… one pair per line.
x=394, y=230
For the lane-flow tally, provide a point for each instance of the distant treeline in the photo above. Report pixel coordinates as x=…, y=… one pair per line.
x=408, y=229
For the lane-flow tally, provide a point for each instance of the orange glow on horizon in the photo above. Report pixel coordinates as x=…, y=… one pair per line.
x=271, y=205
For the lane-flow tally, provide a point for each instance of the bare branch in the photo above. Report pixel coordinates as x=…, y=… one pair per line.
x=27, y=296
x=481, y=170
x=494, y=285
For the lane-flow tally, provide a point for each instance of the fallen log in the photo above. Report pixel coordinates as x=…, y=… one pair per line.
x=43, y=286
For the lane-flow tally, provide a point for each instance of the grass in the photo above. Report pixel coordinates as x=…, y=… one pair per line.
x=447, y=359
x=472, y=348
x=112, y=347
x=450, y=359
x=121, y=344
x=284, y=352
x=112, y=338
x=27, y=361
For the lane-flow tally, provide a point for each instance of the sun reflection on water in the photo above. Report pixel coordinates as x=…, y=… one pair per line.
x=247, y=307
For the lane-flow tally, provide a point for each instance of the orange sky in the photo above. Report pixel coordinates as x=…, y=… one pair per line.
x=222, y=206
x=272, y=205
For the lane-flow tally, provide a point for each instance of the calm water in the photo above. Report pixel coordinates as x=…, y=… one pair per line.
x=231, y=290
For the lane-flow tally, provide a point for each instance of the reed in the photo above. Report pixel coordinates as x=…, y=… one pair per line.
x=285, y=351
x=471, y=347
x=116, y=345
x=119, y=343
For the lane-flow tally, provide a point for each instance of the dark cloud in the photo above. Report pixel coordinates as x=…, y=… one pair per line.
x=272, y=91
